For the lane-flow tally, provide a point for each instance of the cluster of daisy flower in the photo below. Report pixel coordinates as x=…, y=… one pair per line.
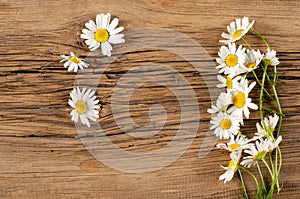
x=232, y=107
x=99, y=34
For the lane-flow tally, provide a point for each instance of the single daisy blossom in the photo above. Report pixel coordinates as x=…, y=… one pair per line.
x=252, y=60
x=236, y=144
x=240, y=100
x=231, y=59
x=230, y=169
x=223, y=101
x=225, y=125
x=102, y=33
x=271, y=56
x=73, y=62
x=267, y=127
x=258, y=152
x=236, y=30
x=84, y=104
x=229, y=82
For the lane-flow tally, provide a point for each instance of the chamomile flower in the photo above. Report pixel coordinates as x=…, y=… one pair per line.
x=230, y=169
x=225, y=125
x=223, y=101
x=240, y=100
x=84, y=104
x=237, y=29
x=267, y=129
x=102, y=33
x=275, y=144
x=252, y=60
x=231, y=59
x=236, y=144
x=271, y=56
x=229, y=82
x=73, y=62
x=258, y=152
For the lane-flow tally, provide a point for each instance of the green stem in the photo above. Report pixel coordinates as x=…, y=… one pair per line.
x=262, y=86
x=261, y=176
x=261, y=37
x=279, y=109
x=270, y=171
x=271, y=161
x=243, y=185
x=247, y=44
x=272, y=111
x=251, y=174
x=279, y=168
x=254, y=74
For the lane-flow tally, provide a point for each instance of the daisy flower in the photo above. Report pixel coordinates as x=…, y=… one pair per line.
x=231, y=59
x=73, y=62
x=240, y=100
x=230, y=169
x=84, y=104
x=229, y=82
x=267, y=128
x=275, y=144
x=258, y=152
x=223, y=101
x=236, y=144
x=102, y=33
x=271, y=56
x=225, y=125
x=236, y=30
x=252, y=60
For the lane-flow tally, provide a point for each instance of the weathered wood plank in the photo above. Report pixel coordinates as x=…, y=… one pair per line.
x=41, y=155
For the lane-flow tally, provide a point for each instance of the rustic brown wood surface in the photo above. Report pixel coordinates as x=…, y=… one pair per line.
x=41, y=155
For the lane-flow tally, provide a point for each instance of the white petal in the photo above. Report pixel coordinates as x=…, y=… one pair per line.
x=99, y=21
x=91, y=26
x=113, y=25
x=117, y=30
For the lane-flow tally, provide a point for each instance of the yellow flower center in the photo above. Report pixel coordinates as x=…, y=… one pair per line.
x=231, y=164
x=225, y=124
x=101, y=35
x=251, y=65
x=234, y=146
x=237, y=34
x=229, y=82
x=80, y=106
x=260, y=155
x=231, y=60
x=75, y=60
x=239, y=100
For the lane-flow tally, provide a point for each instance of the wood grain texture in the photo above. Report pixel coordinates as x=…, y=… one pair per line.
x=41, y=155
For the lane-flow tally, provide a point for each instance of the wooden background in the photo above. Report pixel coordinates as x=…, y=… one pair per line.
x=41, y=155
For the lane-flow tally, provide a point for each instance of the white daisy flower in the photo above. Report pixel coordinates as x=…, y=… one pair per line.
x=236, y=30
x=230, y=169
x=73, y=62
x=229, y=82
x=271, y=56
x=269, y=124
x=102, y=33
x=231, y=59
x=275, y=144
x=258, y=152
x=225, y=125
x=236, y=144
x=240, y=100
x=223, y=101
x=252, y=60
x=84, y=104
